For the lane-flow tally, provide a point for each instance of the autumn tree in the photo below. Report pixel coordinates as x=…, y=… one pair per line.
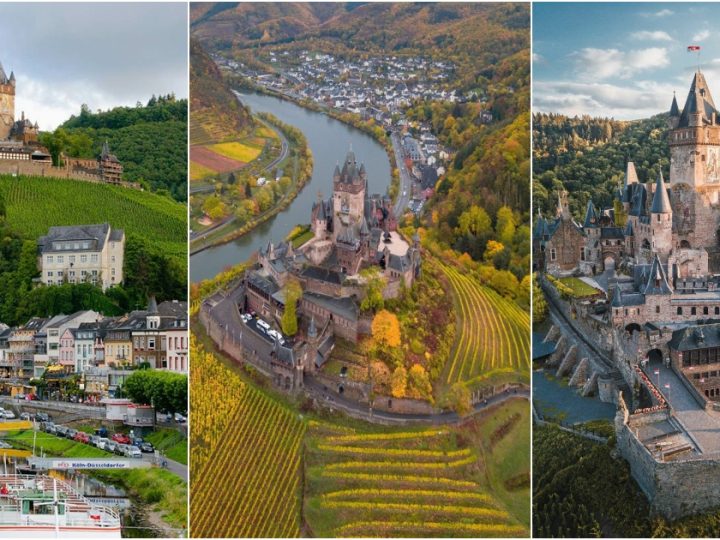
x=460, y=399
x=398, y=382
x=293, y=292
x=386, y=329
x=374, y=286
x=420, y=381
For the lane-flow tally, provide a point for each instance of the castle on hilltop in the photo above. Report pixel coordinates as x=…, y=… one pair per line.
x=352, y=230
x=22, y=153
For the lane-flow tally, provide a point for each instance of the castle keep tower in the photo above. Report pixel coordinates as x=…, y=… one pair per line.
x=695, y=165
x=349, y=185
x=7, y=103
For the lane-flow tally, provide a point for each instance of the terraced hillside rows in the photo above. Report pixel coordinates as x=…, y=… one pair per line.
x=493, y=333
x=398, y=484
x=245, y=457
x=34, y=204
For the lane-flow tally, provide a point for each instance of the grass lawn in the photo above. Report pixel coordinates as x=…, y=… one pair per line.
x=509, y=457
x=579, y=288
x=55, y=445
x=237, y=151
x=170, y=441
x=300, y=240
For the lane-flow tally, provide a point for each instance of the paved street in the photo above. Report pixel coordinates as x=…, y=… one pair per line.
x=403, y=198
x=702, y=426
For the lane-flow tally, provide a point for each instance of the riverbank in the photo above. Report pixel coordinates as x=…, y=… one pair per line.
x=161, y=491
x=302, y=161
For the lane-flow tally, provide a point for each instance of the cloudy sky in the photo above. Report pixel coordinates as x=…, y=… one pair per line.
x=105, y=55
x=621, y=60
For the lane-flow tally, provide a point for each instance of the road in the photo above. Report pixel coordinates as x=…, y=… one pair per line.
x=703, y=427
x=585, y=344
x=406, y=181
x=337, y=401
x=284, y=152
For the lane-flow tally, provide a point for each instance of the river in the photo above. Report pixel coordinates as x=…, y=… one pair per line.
x=329, y=141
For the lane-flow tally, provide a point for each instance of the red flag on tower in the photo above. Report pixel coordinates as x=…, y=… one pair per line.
x=693, y=48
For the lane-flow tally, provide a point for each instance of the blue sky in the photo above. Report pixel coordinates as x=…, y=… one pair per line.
x=66, y=54
x=621, y=60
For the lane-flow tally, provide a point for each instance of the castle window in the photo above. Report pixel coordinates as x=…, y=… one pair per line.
x=717, y=310
x=705, y=310
x=693, y=311
x=657, y=309
x=679, y=311
x=553, y=254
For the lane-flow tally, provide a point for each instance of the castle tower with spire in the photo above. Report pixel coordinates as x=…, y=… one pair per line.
x=694, y=142
x=661, y=221
x=7, y=103
x=349, y=186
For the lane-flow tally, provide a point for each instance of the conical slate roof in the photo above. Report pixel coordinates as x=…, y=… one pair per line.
x=674, y=109
x=591, y=217
x=661, y=201
x=657, y=280
x=700, y=101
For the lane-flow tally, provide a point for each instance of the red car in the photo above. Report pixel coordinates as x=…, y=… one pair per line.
x=120, y=438
x=82, y=437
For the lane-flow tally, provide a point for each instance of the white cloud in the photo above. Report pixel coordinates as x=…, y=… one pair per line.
x=637, y=100
x=651, y=35
x=662, y=13
x=702, y=35
x=538, y=58
x=600, y=64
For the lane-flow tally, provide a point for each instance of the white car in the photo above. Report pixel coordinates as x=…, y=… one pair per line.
x=8, y=414
x=262, y=324
x=133, y=452
x=100, y=443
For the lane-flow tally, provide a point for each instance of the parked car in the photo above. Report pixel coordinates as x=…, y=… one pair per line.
x=147, y=448
x=82, y=437
x=42, y=417
x=101, y=443
x=110, y=446
x=26, y=416
x=60, y=431
x=49, y=427
x=9, y=415
x=133, y=452
x=179, y=418
x=102, y=432
x=120, y=438
x=121, y=449
x=70, y=433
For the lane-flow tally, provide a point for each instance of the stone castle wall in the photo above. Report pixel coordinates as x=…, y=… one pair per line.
x=45, y=169
x=666, y=484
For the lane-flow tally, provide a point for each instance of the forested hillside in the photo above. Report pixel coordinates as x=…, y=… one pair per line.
x=582, y=490
x=149, y=140
x=587, y=156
